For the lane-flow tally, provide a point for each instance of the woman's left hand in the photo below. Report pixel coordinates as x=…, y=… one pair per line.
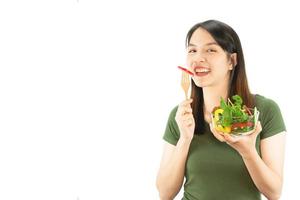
x=245, y=145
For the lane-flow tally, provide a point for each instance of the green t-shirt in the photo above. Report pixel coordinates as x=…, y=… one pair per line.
x=214, y=170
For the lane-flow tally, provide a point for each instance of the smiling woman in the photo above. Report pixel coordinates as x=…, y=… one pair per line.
x=216, y=165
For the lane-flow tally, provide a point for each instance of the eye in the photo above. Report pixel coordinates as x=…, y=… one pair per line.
x=211, y=50
x=191, y=51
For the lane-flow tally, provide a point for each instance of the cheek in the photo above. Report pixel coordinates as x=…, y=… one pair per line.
x=188, y=62
x=221, y=69
x=222, y=75
x=188, y=58
x=220, y=64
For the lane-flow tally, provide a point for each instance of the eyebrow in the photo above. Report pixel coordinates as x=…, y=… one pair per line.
x=207, y=44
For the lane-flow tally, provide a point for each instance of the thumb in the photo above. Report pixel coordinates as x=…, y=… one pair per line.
x=258, y=128
x=229, y=138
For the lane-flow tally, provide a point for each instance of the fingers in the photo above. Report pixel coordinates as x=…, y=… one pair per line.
x=223, y=137
x=186, y=117
x=185, y=113
x=186, y=102
x=189, y=121
x=236, y=141
x=257, y=130
x=217, y=134
x=185, y=107
x=229, y=139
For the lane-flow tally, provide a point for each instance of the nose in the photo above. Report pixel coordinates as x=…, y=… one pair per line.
x=199, y=57
x=197, y=60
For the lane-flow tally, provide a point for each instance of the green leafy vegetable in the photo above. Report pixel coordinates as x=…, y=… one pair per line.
x=233, y=112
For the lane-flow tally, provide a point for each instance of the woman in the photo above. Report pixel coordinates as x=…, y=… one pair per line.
x=217, y=165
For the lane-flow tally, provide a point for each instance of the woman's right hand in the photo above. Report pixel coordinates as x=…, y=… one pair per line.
x=185, y=119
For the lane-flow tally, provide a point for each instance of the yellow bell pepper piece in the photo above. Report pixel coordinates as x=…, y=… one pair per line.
x=226, y=129
x=217, y=112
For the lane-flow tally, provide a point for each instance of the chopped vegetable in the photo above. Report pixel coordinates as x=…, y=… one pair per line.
x=234, y=117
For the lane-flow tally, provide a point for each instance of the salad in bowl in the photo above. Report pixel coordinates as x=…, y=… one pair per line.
x=234, y=118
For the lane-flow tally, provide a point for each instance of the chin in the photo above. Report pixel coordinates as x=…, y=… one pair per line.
x=201, y=84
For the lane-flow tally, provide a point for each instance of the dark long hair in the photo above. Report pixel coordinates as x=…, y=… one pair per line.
x=229, y=41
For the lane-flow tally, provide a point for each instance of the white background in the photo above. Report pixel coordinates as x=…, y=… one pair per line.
x=86, y=88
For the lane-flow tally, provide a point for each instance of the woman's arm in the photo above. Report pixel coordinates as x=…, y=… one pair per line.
x=267, y=172
x=171, y=172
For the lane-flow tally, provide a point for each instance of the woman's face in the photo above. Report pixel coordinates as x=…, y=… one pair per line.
x=210, y=63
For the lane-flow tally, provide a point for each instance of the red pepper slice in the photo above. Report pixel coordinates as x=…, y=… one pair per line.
x=242, y=125
x=247, y=110
x=186, y=70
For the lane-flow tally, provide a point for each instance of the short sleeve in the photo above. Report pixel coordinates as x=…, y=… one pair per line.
x=172, y=133
x=271, y=119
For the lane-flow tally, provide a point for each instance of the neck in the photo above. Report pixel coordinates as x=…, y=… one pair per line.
x=212, y=95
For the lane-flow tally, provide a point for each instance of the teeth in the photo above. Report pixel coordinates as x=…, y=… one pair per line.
x=202, y=70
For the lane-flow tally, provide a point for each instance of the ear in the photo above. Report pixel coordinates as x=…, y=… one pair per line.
x=233, y=60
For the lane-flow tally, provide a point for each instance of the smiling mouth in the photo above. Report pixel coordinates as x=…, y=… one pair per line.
x=201, y=71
